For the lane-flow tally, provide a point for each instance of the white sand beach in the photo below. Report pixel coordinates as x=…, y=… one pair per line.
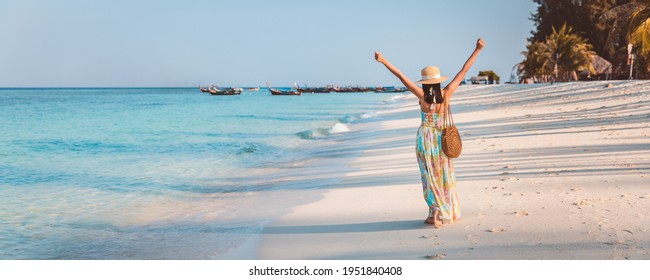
x=547, y=172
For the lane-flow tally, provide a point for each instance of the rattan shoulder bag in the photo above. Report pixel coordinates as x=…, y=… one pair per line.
x=451, y=143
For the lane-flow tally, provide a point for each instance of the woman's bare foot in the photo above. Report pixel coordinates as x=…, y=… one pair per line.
x=434, y=220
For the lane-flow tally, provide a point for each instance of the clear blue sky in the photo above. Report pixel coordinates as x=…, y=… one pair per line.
x=241, y=43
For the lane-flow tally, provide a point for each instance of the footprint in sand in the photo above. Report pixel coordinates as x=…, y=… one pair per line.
x=472, y=238
x=428, y=236
x=519, y=213
x=438, y=256
x=509, y=179
x=586, y=202
x=496, y=230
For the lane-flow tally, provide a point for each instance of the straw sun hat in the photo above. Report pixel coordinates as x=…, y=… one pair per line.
x=431, y=75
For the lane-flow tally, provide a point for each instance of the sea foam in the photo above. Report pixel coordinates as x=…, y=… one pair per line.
x=339, y=128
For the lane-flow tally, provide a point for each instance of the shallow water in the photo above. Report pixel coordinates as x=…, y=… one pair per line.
x=154, y=173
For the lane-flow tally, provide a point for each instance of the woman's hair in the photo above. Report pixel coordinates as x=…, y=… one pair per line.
x=431, y=90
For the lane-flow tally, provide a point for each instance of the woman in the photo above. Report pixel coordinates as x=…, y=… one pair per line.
x=436, y=169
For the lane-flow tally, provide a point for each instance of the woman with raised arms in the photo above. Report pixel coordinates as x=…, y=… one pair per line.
x=436, y=169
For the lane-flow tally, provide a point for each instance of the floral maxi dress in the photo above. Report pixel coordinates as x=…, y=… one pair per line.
x=436, y=169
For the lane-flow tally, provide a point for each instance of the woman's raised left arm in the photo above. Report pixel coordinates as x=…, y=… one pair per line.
x=451, y=87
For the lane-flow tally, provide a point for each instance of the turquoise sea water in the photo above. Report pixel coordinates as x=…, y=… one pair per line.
x=152, y=173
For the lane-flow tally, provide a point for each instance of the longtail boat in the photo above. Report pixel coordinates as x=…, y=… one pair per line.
x=225, y=91
x=350, y=89
x=282, y=92
x=314, y=89
x=390, y=89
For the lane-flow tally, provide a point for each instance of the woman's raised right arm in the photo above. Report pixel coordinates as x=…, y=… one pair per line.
x=412, y=87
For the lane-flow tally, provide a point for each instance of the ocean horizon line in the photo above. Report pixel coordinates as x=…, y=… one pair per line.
x=167, y=87
x=100, y=87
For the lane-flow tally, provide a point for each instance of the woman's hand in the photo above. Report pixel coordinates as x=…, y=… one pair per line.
x=379, y=57
x=480, y=44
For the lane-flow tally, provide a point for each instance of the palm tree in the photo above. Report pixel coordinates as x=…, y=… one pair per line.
x=537, y=63
x=562, y=54
x=622, y=21
x=638, y=28
x=629, y=23
x=571, y=52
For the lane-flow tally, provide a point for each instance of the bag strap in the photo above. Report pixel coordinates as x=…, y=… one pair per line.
x=449, y=118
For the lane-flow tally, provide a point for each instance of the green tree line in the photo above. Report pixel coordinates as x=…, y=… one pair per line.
x=569, y=32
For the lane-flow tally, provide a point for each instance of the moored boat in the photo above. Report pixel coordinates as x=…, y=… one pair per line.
x=314, y=89
x=225, y=91
x=350, y=89
x=282, y=92
x=390, y=89
x=206, y=89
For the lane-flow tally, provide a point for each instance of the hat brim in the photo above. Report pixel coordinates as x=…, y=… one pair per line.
x=432, y=81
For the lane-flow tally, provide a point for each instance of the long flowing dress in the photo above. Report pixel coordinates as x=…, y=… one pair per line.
x=436, y=169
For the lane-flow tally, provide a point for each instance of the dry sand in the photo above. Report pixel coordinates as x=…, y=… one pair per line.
x=556, y=171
